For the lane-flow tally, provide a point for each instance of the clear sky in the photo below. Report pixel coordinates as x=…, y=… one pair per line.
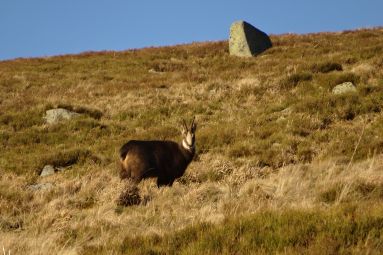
x=32, y=28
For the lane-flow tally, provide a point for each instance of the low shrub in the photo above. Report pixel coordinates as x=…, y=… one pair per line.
x=326, y=67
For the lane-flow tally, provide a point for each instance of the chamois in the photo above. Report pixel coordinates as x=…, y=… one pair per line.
x=164, y=160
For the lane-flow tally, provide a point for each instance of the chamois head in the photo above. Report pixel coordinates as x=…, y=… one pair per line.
x=188, y=141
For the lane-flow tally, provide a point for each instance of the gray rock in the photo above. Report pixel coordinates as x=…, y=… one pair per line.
x=246, y=40
x=40, y=186
x=53, y=116
x=287, y=111
x=155, y=71
x=47, y=170
x=342, y=88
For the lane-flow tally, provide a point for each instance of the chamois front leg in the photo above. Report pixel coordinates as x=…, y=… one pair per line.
x=164, y=181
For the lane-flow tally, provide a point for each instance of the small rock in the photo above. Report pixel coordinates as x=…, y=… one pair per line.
x=342, y=88
x=287, y=111
x=246, y=40
x=276, y=145
x=155, y=71
x=40, y=186
x=47, y=170
x=281, y=119
x=176, y=60
x=56, y=115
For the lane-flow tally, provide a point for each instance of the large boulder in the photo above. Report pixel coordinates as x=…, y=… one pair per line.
x=246, y=40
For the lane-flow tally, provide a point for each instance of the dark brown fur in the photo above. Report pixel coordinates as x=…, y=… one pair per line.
x=165, y=160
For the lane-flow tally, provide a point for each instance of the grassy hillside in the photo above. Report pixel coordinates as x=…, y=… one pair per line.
x=274, y=146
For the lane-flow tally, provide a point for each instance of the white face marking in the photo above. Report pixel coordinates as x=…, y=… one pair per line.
x=189, y=139
x=185, y=145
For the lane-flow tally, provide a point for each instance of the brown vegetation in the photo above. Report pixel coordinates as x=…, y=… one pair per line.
x=274, y=146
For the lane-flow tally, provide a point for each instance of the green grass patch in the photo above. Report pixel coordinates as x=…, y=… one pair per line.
x=68, y=157
x=21, y=120
x=293, y=80
x=342, y=230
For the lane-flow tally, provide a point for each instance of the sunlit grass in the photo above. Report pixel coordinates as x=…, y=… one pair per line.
x=274, y=145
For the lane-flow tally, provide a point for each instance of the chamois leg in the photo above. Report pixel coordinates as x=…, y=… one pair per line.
x=136, y=177
x=124, y=173
x=133, y=176
x=164, y=181
x=171, y=182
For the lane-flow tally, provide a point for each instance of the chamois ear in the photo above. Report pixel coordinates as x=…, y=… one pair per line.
x=193, y=126
x=184, y=128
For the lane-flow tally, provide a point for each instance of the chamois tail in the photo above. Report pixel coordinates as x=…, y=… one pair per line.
x=124, y=151
x=124, y=171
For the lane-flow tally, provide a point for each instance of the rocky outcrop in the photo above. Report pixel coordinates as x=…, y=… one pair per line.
x=246, y=40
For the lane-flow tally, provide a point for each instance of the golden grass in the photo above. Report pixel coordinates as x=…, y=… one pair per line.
x=271, y=138
x=81, y=211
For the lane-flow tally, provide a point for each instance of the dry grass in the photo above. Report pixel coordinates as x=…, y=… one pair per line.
x=81, y=212
x=271, y=138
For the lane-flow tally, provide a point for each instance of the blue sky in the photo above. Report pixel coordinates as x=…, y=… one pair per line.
x=33, y=28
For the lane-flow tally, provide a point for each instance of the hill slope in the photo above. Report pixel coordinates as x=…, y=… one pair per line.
x=272, y=137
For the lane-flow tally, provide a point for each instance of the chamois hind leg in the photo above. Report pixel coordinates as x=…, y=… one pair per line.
x=128, y=174
x=124, y=171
